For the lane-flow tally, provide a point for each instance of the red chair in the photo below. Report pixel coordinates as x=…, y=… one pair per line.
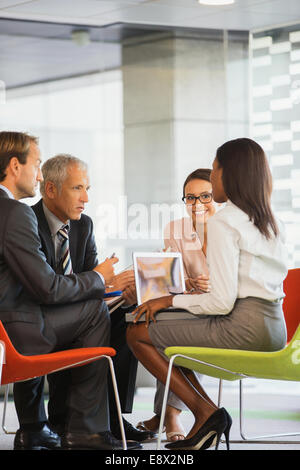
x=291, y=303
x=15, y=367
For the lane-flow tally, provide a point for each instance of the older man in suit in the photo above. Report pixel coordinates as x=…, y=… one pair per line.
x=43, y=311
x=64, y=192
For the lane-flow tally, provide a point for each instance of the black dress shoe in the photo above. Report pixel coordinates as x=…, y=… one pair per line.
x=44, y=439
x=100, y=441
x=131, y=432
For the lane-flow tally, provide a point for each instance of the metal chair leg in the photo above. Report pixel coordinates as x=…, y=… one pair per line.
x=164, y=404
x=5, y=400
x=258, y=439
x=245, y=439
x=2, y=355
x=115, y=387
x=220, y=392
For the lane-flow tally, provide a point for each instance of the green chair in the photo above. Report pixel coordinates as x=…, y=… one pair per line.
x=230, y=364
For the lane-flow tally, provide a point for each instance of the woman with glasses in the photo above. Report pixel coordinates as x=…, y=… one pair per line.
x=247, y=260
x=189, y=237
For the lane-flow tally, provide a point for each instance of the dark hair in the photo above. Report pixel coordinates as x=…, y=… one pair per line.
x=199, y=174
x=247, y=181
x=14, y=144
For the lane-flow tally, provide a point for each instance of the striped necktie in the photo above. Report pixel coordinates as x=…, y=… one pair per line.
x=65, y=259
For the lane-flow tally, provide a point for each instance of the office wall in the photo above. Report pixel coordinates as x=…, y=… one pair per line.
x=182, y=100
x=144, y=126
x=275, y=114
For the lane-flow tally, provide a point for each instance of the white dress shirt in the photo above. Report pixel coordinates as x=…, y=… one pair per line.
x=242, y=263
x=7, y=191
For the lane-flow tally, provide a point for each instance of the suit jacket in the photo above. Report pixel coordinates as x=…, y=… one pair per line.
x=27, y=281
x=83, y=250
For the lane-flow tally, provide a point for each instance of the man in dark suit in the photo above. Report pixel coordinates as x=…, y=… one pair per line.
x=43, y=311
x=65, y=191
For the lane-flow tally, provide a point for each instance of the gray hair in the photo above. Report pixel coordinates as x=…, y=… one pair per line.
x=55, y=169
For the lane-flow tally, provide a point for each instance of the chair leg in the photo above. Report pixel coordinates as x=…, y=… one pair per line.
x=164, y=404
x=5, y=401
x=2, y=353
x=115, y=387
x=258, y=439
x=220, y=392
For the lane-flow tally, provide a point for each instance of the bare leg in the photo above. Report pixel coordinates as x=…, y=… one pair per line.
x=140, y=343
x=193, y=380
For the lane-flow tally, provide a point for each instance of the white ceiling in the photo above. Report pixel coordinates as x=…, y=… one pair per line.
x=243, y=15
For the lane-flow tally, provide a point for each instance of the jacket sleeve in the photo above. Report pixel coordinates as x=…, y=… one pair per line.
x=24, y=256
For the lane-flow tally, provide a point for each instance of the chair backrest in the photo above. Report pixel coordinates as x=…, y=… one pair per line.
x=291, y=303
x=290, y=359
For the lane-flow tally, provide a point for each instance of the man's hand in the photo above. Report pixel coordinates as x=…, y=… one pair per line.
x=123, y=280
x=151, y=307
x=106, y=269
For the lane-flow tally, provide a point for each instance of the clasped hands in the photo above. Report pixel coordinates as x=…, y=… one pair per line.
x=200, y=283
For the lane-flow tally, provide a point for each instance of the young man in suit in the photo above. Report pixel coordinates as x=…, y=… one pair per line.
x=43, y=311
x=64, y=192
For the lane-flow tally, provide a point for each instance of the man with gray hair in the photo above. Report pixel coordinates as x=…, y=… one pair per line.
x=43, y=311
x=68, y=243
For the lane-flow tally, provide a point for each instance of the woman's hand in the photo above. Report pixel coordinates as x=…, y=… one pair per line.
x=151, y=307
x=129, y=295
x=201, y=283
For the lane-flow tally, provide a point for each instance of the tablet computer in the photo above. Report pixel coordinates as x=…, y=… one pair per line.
x=158, y=275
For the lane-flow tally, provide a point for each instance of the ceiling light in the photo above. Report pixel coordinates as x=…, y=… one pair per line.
x=216, y=2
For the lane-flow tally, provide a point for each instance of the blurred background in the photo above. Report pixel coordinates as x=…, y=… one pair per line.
x=145, y=92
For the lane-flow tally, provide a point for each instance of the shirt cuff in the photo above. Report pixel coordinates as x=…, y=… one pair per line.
x=101, y=277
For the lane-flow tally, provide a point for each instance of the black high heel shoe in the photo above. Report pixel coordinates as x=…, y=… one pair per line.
x=210, y=433
x=227, y=429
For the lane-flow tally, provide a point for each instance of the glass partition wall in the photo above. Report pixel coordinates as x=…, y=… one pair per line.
x=275, y=120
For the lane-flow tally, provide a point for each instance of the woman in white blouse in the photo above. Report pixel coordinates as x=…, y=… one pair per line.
x=188, y=236
x=247, y=260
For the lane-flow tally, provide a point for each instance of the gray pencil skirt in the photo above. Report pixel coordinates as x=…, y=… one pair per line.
x=254, y=324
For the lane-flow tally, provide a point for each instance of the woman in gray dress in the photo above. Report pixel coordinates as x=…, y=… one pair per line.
x=248, y=263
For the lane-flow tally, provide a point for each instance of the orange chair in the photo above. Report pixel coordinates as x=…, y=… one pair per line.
x=291, y=303
x=15, y=367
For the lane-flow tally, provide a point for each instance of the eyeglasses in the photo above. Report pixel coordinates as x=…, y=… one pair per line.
x=204, y=198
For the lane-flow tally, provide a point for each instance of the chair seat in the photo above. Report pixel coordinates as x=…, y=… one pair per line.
x=28, y=367
x=18, y=367
x=281, y=365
